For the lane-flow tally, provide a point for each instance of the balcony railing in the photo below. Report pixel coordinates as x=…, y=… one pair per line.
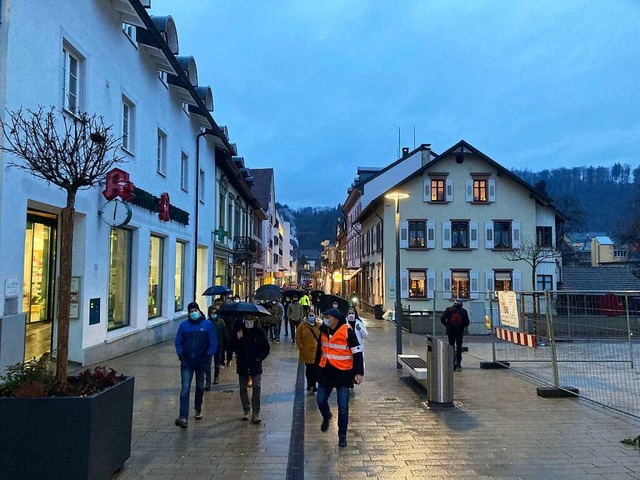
x=244, y=245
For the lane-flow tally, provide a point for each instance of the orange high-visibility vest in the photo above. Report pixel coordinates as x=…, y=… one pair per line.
x=336, y=349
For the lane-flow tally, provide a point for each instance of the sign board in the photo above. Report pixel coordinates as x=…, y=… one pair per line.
x=11, y=288
x=259, y=272
x=508, y=307
x=392, y=287
x=94, y=311
x=74, y=298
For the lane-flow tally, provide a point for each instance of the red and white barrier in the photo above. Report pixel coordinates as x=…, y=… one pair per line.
x=525, y=339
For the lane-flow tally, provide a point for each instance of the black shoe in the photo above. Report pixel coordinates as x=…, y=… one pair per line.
x=216, y=380
x=325, y=423
x=181, y=422
x=342, y=441
x=208, y=388
x=314, y=389
x=198, y=415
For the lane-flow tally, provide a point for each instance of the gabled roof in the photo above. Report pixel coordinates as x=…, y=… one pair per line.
x=262, y=185
x=463, y=148
x=604, y=279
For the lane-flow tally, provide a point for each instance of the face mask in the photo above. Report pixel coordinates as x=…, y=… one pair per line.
x=311, y=320
x=326, y=322
x=335, y=305
x=236, y=300
x=248, y=323
x=194, y=315
x=214, y=316
x=351, y=317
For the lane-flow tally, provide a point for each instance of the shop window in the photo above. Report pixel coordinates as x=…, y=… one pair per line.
x=155, y=277
x=119, y=278
x=179, y=277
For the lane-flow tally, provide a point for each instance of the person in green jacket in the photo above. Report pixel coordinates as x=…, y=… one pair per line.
x=223, y=340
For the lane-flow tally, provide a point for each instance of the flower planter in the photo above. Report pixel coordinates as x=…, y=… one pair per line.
x=66, y=437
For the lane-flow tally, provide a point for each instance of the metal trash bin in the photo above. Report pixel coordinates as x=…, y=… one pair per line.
x=377, y=311
x=439, y=373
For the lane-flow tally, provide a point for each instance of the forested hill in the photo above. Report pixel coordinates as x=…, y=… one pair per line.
x=603, y=199
x=312, y=225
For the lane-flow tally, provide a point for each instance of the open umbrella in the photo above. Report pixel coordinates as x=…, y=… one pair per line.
x=268, y=295
x=217, y=290
x=241, y=308
x=291, y=292
x=326, y=303
x=275, y=288
x=316, y=296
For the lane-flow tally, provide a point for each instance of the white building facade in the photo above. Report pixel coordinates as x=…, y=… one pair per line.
x=132, y=280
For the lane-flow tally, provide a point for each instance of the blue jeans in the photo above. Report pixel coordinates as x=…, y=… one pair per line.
x=186, y=373
x=322, y=398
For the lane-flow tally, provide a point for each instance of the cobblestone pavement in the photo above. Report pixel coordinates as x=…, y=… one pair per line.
x=499, y=428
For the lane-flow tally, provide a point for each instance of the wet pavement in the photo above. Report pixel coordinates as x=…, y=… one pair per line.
x=499, y=428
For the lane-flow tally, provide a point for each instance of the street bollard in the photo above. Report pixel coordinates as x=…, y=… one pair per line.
x=439, y=373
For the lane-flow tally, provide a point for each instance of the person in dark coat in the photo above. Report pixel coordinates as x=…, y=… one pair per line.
x=250, y=343
x=456, y=319
x=223, y=340
x=340, y=363
x=195, y=343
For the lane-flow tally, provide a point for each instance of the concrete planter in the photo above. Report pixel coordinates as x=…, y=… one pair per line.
x=67, y=437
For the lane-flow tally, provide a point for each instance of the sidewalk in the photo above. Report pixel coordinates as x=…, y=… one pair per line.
x=499, y=428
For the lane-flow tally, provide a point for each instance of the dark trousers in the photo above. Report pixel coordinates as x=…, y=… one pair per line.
x=322, y=399
x=229, y=352
x=310, y=373
x=455, y=340
x=293, y=325
x=186, y=374
x=286, y=326
x=255, y=393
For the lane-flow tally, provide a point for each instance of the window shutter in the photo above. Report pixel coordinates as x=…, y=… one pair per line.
x=469, y=191
x=446, y=284
x=427, y=190
x=449, y=190
x=515, y=234
x=404, y=234
x=431, y=283
x=491, y=286
x=404, y=284
x=473, y=233
x=474, y=284
x=488, y=235
x=446, y=234
x=431, y=234
x=517, y=282
x=492, y=190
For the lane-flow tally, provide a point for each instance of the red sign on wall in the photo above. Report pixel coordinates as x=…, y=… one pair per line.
x=259, y=272
x=118, y=185
x=164, y=207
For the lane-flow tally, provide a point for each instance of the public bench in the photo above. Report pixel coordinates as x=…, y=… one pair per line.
x=416, y=366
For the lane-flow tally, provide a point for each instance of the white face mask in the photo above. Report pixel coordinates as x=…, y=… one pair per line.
x=351, y=317
x=248, y=323
x=335, y=305
x=326, y=322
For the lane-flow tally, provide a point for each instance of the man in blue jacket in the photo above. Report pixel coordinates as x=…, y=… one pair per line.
x=196, y=342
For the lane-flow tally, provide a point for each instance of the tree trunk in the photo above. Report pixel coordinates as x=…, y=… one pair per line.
x=64, y=289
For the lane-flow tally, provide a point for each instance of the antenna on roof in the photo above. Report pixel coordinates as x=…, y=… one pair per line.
x=414, y=137
x=398, y=143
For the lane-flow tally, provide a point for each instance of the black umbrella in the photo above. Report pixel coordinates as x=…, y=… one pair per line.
x=316, y=296
x=268, y=295
x=217, y=290
x=274, y=288
x=292, y=292
x=241, y=308
x=327, y=301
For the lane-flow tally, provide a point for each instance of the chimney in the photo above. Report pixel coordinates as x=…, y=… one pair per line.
x=405, y=152
x=426, y=153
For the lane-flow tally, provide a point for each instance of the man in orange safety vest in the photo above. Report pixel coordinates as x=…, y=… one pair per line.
x=340, y=364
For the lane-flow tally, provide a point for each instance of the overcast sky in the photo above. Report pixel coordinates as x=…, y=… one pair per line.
x=316, y=89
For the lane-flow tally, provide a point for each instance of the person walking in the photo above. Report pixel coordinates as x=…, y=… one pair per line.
x=223, y=340
x=358, y=326
x=295, y=312
x=307, y=338
x=304, y=301
x=252, y=347
x=278, y=312
x=456, y=319
x=195, y=343
x=340, y=364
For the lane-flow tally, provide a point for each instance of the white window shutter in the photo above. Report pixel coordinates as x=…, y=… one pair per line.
x=427, y=190
x=491, y=286
x=404, y=284
x=446, y=234
x=488, y=235
x=449, y=190
x=473, y=276
x=431, y=283
x=404, y=234
x=473, y=234
x=469, y=191
x=446, y=284
x=515, y=234
x=517, y=282
x=431, y=234
x=492, y=190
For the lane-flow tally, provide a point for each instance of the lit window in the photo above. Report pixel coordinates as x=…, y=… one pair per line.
x=119, y=278
x=438, y=190
x=155, y=277
x=179, y=277
x=417, y=283
x=460, y=284
x=480, y=191
x=502, y=281
x=161, y=153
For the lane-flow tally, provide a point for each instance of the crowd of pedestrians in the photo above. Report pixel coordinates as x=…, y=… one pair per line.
x=329, y=344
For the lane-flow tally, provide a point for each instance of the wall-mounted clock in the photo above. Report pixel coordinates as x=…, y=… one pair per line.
x=116, y=213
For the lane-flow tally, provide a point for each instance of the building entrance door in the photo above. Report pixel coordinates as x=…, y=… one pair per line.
x=39, y=281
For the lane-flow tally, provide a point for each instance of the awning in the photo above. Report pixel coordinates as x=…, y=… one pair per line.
x=352, y=274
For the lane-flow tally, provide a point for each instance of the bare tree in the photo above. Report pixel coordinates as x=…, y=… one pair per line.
x=73, y=152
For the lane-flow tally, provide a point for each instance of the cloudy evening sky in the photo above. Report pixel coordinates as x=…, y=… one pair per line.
x=316, y=89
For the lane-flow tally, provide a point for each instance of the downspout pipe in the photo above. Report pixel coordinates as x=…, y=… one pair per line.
x=196, y=213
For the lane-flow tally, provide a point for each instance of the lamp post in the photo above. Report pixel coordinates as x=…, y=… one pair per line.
x=397, y=196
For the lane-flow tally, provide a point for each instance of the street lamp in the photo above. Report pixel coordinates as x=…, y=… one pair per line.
x=397, y=196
